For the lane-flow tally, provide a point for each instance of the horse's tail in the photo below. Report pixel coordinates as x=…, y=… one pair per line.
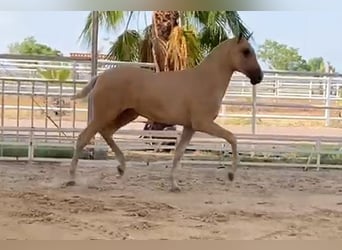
x=86, y=90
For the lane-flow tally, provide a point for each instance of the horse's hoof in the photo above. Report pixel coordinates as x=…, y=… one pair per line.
x=69, y=183
x=121, y=171
x=175, y=189
x=230, y=176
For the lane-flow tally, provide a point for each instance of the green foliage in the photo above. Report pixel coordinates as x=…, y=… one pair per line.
x=127, y=46
x=29, y=46
x=40, y=151
x=55, y=74
x=283, y=57
x=339, y=102
x=110, y=20
x=316, y=64
x=195, y=50
x=215, y=26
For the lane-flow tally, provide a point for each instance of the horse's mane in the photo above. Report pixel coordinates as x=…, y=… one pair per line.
x=216, y=50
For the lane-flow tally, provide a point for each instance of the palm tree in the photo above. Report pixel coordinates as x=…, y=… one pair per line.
x=201, y=31
x=174, y=40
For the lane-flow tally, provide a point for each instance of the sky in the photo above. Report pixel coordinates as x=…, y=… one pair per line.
x=312, y=32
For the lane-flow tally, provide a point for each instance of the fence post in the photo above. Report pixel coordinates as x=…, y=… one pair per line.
x=31, y=147
x=276, y=86
x=94, y=45
x=74, y=78
x=318, y=150
x=254, y=96
x=2, y=115
x=94, y=67
x=327, y=101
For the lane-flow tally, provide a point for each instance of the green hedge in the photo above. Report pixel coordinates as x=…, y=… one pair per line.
x=67, y=152
x=40, y=151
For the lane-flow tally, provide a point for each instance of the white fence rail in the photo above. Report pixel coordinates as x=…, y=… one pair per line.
x=31, y=117
x=239, y=91
x=274, y=146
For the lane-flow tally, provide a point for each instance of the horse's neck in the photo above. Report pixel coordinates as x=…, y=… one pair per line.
x=218, y=69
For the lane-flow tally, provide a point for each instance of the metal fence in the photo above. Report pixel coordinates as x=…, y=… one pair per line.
x=285, y=90
x=29, y=66
x=37, y=112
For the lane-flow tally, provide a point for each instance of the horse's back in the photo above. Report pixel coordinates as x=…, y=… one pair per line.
x=130, y=78
x=128, y=72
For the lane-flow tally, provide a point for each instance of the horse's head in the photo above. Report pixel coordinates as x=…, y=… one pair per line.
x=243, y=59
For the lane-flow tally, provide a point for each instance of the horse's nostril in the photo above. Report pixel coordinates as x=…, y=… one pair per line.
x=261, y=76
x=257, y=79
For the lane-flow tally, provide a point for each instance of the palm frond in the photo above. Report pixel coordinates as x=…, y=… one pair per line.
x=130, y=15
x=126, y=47
x=64, y=74
x=210, y=37
x=235, y=23
x=146, y=54
x=55, y=74
x=46, y=74
x=159, y=52
x=110, y=20
x=210, y=27
x=194, y=48
x=196, y=18
x=202, y=31
x=216, y=26
x=177, y=52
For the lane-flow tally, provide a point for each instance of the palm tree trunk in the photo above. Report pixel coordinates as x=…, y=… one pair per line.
x=94, y=45
x=163, y=23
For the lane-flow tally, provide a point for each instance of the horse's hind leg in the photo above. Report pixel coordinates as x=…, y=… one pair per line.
x=179, y=152
x=82, y=140
x=123, y=119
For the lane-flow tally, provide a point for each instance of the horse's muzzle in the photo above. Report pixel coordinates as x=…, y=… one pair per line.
x=258, y=78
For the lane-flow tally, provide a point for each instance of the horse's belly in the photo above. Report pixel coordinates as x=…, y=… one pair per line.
x=163, y=112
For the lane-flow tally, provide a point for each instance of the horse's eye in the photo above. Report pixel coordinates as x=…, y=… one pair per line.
x=246, y=52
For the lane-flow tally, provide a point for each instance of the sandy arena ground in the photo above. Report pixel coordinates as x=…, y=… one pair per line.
x=260, y=204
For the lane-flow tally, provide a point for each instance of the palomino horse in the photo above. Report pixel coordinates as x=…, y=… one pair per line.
x=190, y=98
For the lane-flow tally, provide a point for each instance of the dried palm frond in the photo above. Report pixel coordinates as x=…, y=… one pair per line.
x=177, y=52
x=146, y=46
